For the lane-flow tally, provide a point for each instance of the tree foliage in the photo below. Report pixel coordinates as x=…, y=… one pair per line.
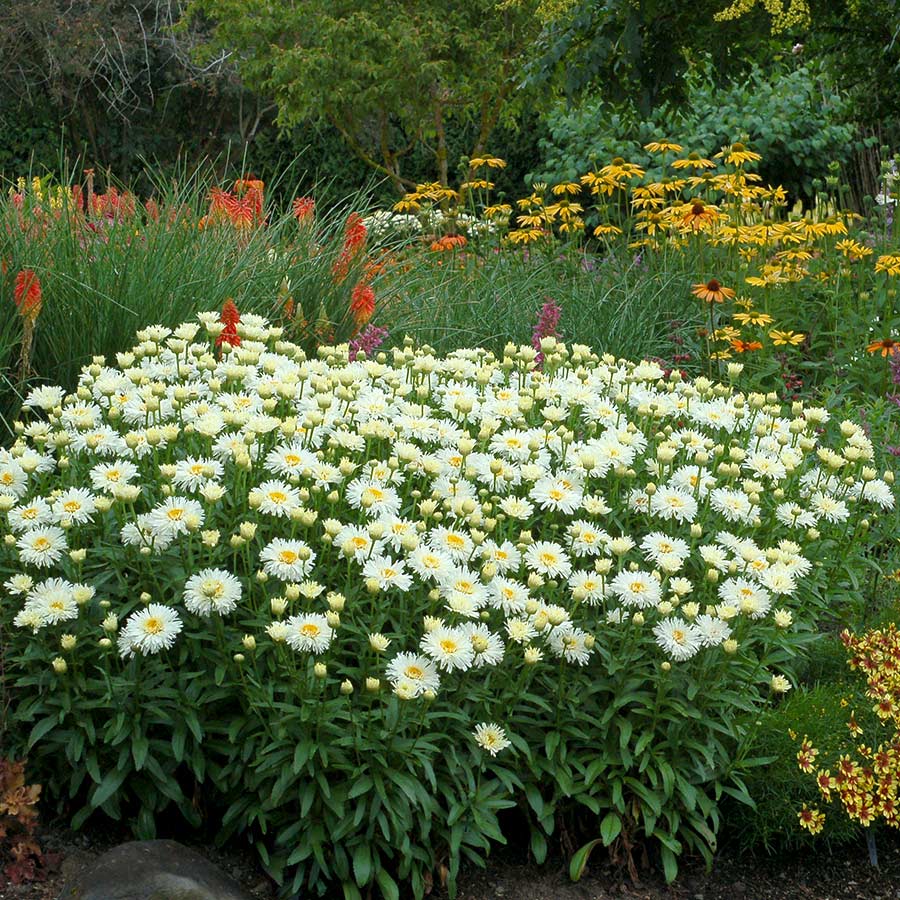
x=389, y=75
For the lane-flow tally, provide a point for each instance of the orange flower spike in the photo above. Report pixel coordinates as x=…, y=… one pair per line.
x=230, y=317
x=362, y=304
x=27, y=294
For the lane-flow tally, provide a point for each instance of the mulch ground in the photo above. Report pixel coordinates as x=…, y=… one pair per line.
x=846, y=875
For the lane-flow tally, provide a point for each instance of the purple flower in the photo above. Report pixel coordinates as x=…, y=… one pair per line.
x=548, y=320
x=367, y=341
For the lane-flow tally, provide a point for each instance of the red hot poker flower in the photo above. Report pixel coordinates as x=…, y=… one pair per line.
x=27, y=294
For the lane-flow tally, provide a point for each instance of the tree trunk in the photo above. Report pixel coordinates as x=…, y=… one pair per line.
x=440, y=152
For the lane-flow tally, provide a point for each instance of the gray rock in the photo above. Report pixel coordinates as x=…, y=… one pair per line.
x=151, y=870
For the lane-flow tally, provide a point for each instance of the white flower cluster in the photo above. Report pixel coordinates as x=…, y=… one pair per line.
x=384, y=223
x=466, y=510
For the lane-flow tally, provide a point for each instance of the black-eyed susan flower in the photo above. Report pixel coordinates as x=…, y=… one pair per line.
x=886, y=346
x=663, y=146
x=712, y=291
x=786, y=338
x=889, y=263
x=693, y=161
x=753, y=318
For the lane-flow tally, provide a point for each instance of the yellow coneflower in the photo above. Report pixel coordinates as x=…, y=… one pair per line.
x=407, y=205
x=565, y=209
x=753, y=318
x=712, y=291
x=492, y=162
x=698, y=215
x=607, y=229
x=737, y=154
x=693, y=161
x=786, y=338
x=650, y=221
x=726, y=333
x=498, y=211
x=526, y=235
x=477, y=184
x=573, y=188
x=720, y=354
x=663, y=146
x=888, y=263
x=744, y=302
x=571, y=225
x=853, y=250
x=601, y=185
x=673, y=185
x=535, y=220
x=618, y=168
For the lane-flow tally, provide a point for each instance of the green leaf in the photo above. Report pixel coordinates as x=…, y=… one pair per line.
x=535, y=800
x=42, y=728
x=362, y=864
x=538, y=846
x=610, y=828
x=140, y=746
x=670, y=864
x=388, y=886
x=112, y=781
x=580, y=859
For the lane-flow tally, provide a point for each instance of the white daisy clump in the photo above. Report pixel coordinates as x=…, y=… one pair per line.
x=450, y=526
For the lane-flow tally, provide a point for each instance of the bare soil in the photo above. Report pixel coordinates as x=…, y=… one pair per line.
x=846, y=875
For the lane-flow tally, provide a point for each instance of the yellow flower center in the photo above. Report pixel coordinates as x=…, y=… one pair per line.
x=414, y=673
x=153, y=625
x=310, y=630
x=288, y=557
x=41, y=544
x=176, y=513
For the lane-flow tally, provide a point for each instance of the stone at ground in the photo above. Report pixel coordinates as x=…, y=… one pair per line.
x=151, y=870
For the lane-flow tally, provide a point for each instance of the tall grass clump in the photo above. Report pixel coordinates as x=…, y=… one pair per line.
x=108, y=261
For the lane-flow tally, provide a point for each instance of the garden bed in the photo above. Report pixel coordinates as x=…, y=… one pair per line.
x=843, y=875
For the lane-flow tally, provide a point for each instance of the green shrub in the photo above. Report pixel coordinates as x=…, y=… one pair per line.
x=794, y=117
x=281, y=589
x=780, y=788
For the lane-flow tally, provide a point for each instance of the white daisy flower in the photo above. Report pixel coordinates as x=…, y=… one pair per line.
x=712, y=630
x=212, y=590
x=42, y=546
x=419, y=671
x=491, y=737
x=388, y=573
x=375, y=497
x=517, y=507
x=679, y=639
x=277, y=498
x=149, y=630
x=287, y=560
x=309, y=632
x=487, y=647
x=108, y=476
x=429, y=563
x=74, y=505
x=672, y=503
x=569, y=643
x=638, y=589
x=450, y=648
x=29, y=515
x=549, y=559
